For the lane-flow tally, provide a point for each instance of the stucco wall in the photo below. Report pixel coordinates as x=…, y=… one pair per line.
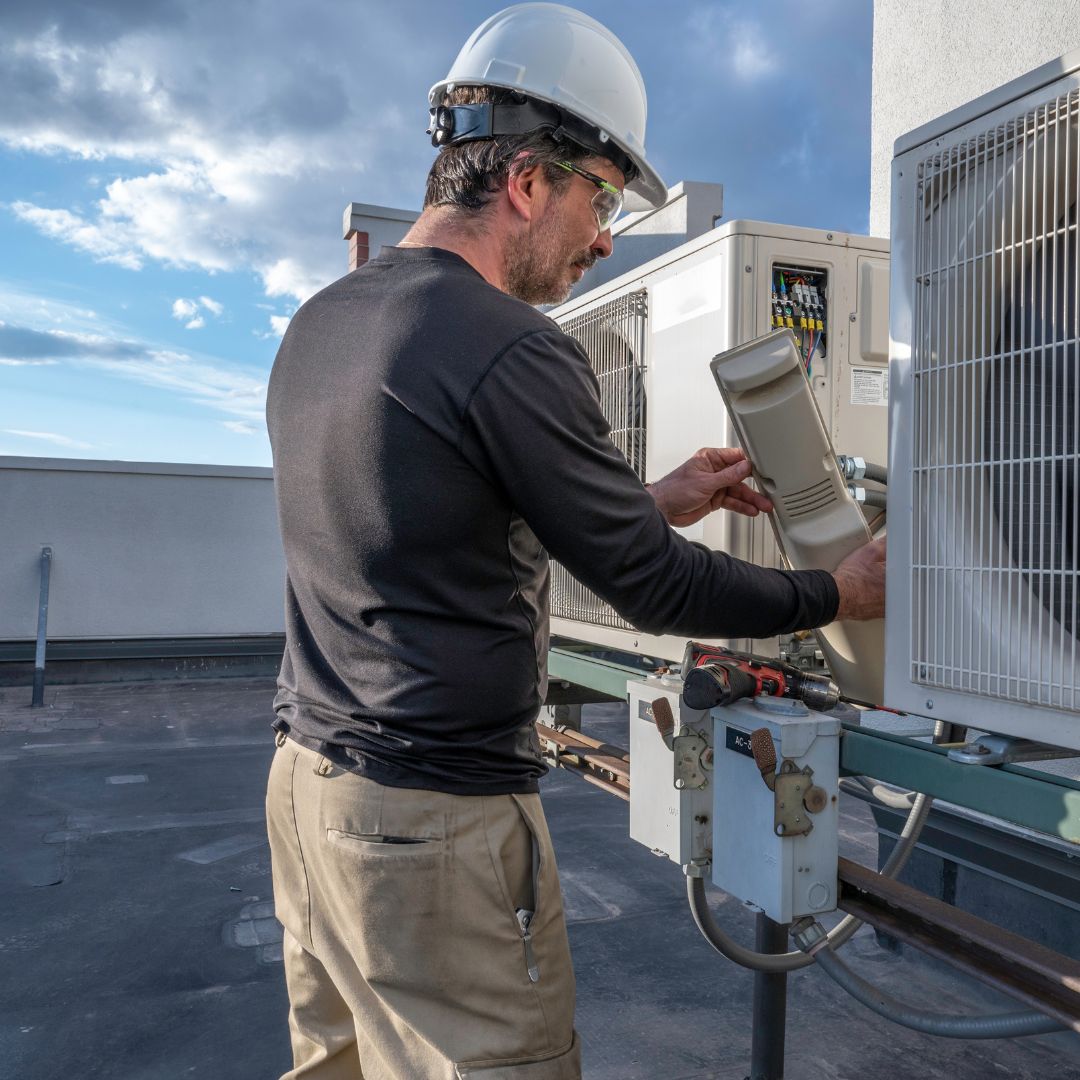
x=932, y=55
x=140, y=550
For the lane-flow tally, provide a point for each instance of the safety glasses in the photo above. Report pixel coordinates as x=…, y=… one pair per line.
x=606, y=203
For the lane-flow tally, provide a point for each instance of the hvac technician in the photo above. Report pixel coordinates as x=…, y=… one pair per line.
x=435, y=440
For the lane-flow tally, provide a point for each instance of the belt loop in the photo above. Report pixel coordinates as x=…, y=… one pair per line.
x=280, y=738
x=323, y=767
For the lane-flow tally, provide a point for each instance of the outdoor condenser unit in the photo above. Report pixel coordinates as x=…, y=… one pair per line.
x=651, y=335
x=984, y=496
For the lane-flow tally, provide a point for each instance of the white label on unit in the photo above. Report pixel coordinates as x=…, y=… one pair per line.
x=869, y=386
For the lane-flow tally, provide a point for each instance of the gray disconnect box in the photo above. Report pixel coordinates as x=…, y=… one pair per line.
x=775, y=841
x=671, y=774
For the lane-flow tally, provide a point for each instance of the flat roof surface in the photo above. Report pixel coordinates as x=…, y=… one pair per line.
x=138, y=937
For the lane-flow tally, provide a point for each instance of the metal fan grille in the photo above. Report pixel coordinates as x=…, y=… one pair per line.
x=996, y=369
x=615, y=338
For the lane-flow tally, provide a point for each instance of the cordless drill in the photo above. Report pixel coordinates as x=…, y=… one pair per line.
x=715, y=676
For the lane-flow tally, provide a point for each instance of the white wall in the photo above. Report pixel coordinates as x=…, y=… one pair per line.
x=139, y=550
x=931, y=56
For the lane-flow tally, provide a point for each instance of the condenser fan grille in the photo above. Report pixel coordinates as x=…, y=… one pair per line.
x=996, y=450
x=614, y=337
x=1031, y=429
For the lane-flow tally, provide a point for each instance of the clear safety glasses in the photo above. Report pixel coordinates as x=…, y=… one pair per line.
x=606, y=203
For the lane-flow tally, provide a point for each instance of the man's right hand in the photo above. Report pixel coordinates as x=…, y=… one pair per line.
x=860, y=579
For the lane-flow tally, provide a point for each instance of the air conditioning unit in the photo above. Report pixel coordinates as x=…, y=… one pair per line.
x=984, y=497
x=651, y=335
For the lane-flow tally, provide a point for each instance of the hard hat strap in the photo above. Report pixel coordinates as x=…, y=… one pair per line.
x=455, y=124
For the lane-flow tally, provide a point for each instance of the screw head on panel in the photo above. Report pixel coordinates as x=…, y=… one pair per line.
x=749, y=269
x=929, y=703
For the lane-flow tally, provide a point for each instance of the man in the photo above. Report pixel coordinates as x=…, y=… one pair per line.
x=435, y=439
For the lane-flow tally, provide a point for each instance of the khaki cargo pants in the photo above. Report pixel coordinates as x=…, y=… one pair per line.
x=409, y=951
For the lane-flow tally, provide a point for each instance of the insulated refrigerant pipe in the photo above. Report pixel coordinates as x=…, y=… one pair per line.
x=992, y=1026
x=838, y=935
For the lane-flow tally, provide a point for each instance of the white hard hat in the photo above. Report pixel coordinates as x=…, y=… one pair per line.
x=554, y=54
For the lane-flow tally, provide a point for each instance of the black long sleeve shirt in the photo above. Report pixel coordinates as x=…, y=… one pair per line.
x=435, y=440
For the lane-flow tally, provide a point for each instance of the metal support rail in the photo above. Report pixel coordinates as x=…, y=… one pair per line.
x=1035, y=975
x=599, y=763
x=1041, y=801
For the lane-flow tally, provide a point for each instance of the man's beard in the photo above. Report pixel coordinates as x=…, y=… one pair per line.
x=538, y=262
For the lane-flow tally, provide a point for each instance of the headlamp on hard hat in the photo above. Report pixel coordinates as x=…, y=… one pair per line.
x=454, y=124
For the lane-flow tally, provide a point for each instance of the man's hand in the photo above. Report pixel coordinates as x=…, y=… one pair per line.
x=860, y=578
x=711, y=480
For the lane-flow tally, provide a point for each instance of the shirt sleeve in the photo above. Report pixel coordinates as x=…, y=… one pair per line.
x=533, y=425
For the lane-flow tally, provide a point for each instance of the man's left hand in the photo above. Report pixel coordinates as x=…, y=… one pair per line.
x=713, y=479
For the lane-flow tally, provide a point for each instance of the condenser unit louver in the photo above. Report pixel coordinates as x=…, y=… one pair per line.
x=614, y=337
x=983, y=587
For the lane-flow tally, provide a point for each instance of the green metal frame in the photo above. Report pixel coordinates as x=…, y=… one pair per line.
x=1041, y=801
x=574, y=664
x=1036, y=800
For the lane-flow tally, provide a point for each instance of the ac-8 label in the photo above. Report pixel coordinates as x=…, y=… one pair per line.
x=738, y=741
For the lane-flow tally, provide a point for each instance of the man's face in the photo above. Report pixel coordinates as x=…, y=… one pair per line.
x=551, y=255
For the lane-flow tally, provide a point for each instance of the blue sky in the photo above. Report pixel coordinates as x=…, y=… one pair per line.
x=173, y=175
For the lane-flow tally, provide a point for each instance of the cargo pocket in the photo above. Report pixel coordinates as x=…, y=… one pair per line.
x=563, y=1065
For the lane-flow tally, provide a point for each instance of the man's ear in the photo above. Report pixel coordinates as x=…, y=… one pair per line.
x=527, y=191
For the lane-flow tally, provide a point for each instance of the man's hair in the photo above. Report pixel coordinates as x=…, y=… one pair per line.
x=469, y=175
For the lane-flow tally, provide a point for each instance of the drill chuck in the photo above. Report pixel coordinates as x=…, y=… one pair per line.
x=817, y=692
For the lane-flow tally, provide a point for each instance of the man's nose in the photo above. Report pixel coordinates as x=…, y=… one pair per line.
x=603, y=245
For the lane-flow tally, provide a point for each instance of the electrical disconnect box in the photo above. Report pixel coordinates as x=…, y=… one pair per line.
x=749, y=789
x=775, y=806
x=671, y=771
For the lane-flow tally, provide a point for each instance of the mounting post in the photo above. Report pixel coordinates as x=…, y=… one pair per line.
x=770, y=1005
x=38, y=698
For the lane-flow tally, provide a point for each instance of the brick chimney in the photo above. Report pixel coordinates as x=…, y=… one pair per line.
x=369, y=229
x=358, y=248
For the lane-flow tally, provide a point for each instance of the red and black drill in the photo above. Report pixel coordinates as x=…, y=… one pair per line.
x=715, y=676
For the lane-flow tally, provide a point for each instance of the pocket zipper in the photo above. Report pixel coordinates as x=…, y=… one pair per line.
x=525, y=916
x=524, y=921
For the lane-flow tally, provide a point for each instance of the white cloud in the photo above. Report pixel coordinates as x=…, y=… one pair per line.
x=240, y=427
x=206, y=381
x=234, y=163
x=6, y=361
x=187, y=311
x=732, y=43
x=290, y=277
x=102, y=242
x=750, y=55
x=279, y=324
x=52, y=437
